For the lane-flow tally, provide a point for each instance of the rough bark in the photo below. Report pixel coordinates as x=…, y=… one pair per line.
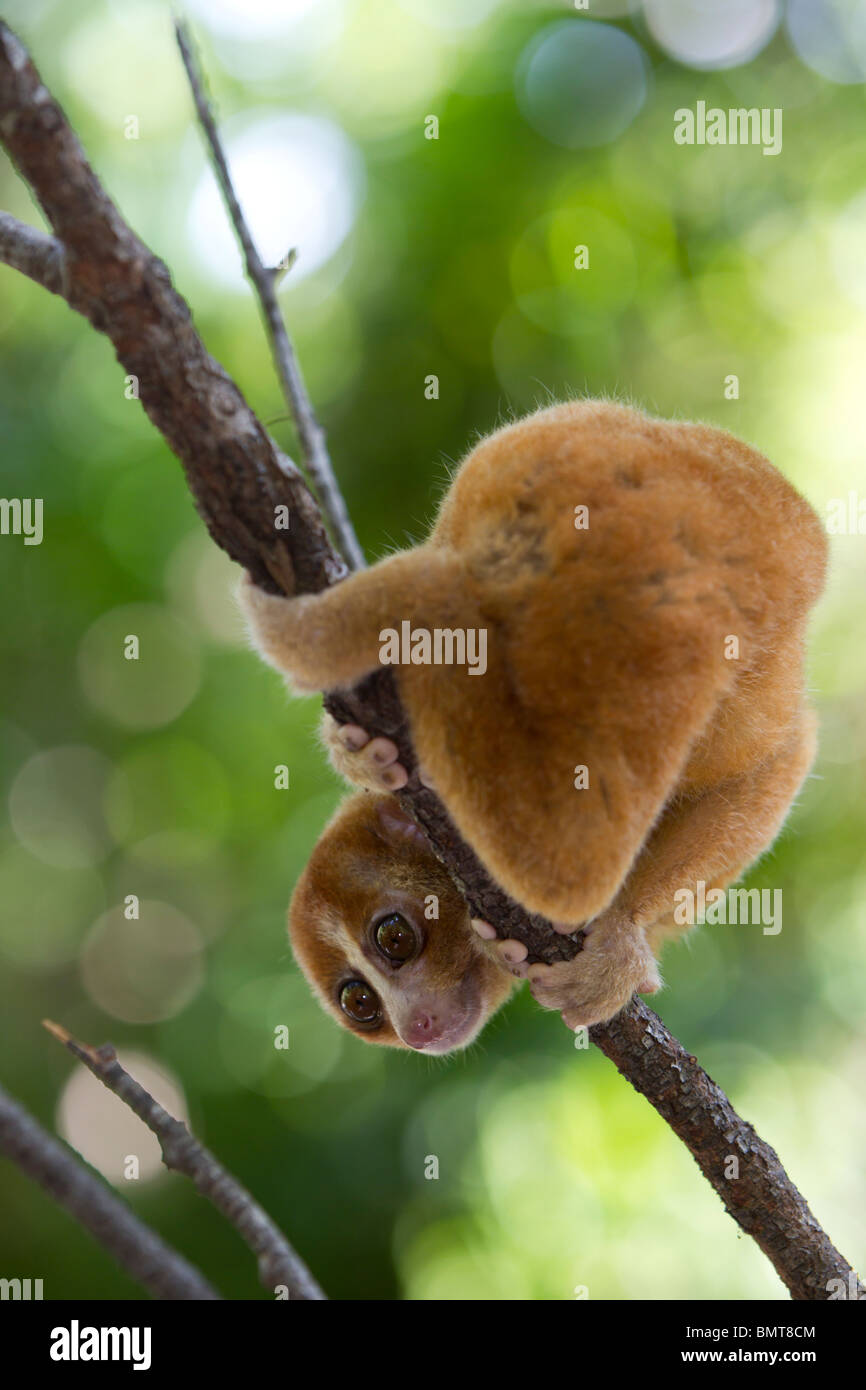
x=757, y=1192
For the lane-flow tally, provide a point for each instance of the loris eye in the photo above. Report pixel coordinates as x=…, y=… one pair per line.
x=395, y=938
x=360, y=1003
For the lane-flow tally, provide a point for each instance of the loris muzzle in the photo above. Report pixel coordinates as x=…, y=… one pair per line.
x=639, y=726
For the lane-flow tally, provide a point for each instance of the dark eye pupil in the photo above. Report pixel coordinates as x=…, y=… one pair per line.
x=359, y=1001
x=395, y=938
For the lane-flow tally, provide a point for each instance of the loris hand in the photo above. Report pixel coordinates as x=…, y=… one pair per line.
x=615, y=963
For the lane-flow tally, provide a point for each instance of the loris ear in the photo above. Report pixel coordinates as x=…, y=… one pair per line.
x=396, y=824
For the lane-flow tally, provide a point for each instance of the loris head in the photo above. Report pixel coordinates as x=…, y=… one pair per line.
x=384, y=938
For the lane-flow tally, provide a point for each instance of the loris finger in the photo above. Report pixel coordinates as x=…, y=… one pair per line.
x=511, y=953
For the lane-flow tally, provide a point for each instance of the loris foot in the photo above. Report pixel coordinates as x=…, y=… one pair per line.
x=368, y=762
x=615, y=963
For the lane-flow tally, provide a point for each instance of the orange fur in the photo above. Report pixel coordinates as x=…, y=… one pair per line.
x=607, y=647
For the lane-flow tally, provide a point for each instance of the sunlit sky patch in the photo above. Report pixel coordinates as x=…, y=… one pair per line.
x=830, y=36
x=299, y=181
x=387, y=72
x=258, y=19
x=97, y=65
x=451, y=14
x=263, y=39
x=709, y=34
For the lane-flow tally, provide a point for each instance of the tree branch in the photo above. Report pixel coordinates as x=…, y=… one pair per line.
x=32, y=252
x=236, y=473
x=279, y=1265
x=756, y=1191
x=237, y=476
x=143, y=1254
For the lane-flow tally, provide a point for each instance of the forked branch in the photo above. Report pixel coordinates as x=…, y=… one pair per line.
x=281, y=1270
x=144, y=1255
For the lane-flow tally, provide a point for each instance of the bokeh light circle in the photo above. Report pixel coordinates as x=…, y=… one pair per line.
x=202, y=583
x=146, y=969
x=151, y=690
x=298, y=179
x=114, y=89
x=580, y=83
x=830, y=37
x=708, y=34
x=56, y=806
x=614, y=9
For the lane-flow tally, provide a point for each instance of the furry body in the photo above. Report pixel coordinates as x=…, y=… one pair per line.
x=658, y=644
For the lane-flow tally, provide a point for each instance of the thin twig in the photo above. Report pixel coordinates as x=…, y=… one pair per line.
x=264, y=279
x=144, y=1255
x=279, y=1265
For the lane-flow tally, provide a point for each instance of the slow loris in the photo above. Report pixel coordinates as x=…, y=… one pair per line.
x=638, y=725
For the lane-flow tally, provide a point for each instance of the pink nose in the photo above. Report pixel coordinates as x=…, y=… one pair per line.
x=422, y=1030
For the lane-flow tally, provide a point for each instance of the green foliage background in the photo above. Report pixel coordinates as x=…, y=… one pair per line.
x=704, y=262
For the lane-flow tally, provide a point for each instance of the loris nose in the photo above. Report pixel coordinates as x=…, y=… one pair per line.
x=422, y=1030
